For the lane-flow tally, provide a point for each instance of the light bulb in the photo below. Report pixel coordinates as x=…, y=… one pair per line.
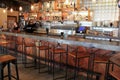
x=20, y=8
x=4, y=11
x=11, y=10
x=48, y=5
x=32, y=7
x=94, y=1
x=66, y=2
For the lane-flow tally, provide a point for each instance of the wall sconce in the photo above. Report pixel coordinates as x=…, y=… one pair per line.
x=4, y=10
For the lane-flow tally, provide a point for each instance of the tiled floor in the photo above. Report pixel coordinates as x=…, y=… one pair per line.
x=30, y=74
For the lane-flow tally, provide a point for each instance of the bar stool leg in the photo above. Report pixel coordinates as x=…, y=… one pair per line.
x=78, y=67
x=17, y=74
x=1, y=73
x=39, y=61
x=23, y=50
x=75, y=69
x=48, y=60
x=107, y=70
x=45, y=58
x=9, y=71
x=53, y=68
x=92, y=65
x=25, y=57
x=60, y=61
x=34, y=54
x=66, y=73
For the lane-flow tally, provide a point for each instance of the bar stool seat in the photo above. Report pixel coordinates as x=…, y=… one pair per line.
x=79, y=56
x=6, y=60
x=3, y=42
x=59, y=50
x=43, y=47
x=101, y=60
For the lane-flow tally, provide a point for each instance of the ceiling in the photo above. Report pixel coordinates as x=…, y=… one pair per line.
x=16, y=3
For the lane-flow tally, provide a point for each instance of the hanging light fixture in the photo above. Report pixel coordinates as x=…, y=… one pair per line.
x=11, y=10
x=20, y=8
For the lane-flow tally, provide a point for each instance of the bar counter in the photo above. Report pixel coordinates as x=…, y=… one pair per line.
x=106, y=49
x=72, y=40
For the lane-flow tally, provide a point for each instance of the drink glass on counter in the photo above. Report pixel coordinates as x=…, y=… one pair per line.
x=62, y=35
x=47, y=31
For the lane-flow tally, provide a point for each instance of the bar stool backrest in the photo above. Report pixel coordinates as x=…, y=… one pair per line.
x=28, y=41
x=19, y=40
x=44, y=43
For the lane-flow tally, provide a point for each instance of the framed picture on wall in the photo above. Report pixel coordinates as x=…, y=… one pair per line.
x=11, y=20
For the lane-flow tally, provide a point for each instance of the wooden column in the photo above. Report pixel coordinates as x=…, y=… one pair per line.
x=89, y=17
x=78, y=4
x=119, y=25
x=56, y=5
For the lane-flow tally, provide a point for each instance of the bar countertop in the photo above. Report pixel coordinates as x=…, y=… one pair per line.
x=107, y=45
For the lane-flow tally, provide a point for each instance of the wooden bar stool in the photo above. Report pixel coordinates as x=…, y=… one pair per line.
x=58, y=50
x=81, y=60
x=6, y=60
x=43, y=56
x=29, y=44
x=102, y=57
x=78, y=55
x=19, y=49
x=113, y=68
